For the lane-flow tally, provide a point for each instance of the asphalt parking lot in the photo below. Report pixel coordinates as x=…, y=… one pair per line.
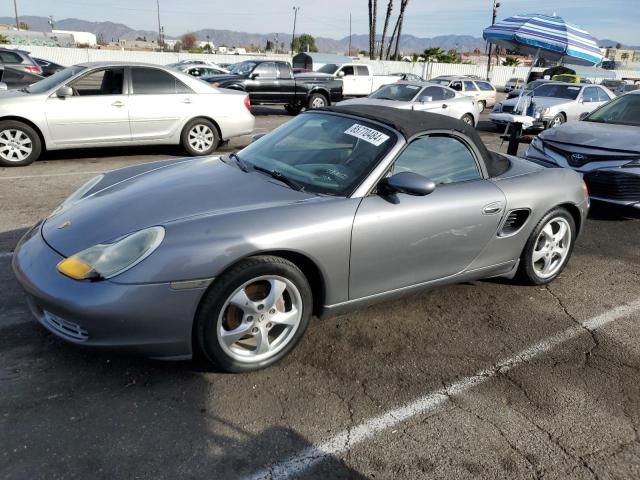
x=484, y=380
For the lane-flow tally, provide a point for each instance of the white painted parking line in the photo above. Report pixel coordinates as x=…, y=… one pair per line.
x=295, y=465
x=21, y=177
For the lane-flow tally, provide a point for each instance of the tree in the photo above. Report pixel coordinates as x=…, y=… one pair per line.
x=403, y=7
x=373, y=15
x=625, y=56
x=305, y=43
x=281, y=45
x=618, y=46
x=511, y=62
x=24, y=26
x=189, y=41
x=386, y=25
x=432, y=54
x=177, y=47
x=269, y=46
x=4, y=40
x=450, y=57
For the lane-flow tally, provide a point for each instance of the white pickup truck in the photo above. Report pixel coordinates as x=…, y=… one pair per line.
x=356, y=77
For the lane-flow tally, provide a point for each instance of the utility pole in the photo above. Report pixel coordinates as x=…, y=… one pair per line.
x=350, y=34
x=15, y=8
x=159, y=27
x=295, y=18
x=496, y=6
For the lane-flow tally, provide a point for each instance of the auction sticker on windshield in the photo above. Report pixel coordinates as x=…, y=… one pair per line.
x=367, y=134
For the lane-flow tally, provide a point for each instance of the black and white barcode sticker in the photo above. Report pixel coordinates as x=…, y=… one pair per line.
x=367, y=134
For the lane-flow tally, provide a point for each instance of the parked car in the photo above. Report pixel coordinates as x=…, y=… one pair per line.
x=605, y=147
x=48, y=67
x=202, y=70
x=13, y=78
x=553, y=104
x=358, y=81
x=408, y=77
x=19, y=59
x=626, y=88
x=117, y=104
x=271, y=82
x=484, y=93
x=569, y=78
x=512, y=84
x=424, y=97
x=612, y=85
x=528, y=87
x=332, y=211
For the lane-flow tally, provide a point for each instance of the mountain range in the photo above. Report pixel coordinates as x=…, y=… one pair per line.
x=110, y=31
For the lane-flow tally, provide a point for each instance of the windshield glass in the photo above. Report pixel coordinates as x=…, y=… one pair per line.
x=326, y=154
x=397, y=91
x=54, y=80
x=555, y=90
x=441, y=81
x=243, y=68
x=329, y=68
x=623, y=110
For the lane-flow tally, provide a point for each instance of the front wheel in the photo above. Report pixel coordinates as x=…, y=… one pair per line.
x=557, y=121
x=20, y=145
x=254, y=314
x=549, y=248
x=200, y=137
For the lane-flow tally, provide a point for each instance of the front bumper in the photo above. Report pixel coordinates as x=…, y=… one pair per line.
x=148, y=319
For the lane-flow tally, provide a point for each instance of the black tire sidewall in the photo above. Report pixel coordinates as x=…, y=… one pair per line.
x=526, y=270
x=33, y=136
x=224, y=286
x=184, y=138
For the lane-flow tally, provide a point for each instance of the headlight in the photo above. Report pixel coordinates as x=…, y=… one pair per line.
x=105, y=261
x=497, y=108
x=541, y=111
x=77, y=195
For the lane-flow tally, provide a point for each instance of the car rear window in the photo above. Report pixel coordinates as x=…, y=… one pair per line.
x=487, y=87
x=10, y=58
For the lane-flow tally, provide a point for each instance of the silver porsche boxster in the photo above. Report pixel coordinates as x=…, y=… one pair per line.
x=334, y=210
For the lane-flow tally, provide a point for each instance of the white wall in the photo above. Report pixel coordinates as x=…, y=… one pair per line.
x=499, y=75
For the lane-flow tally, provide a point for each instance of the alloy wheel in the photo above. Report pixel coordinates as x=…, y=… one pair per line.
x=201, y=138
x=552, y=247
x=15, y=145
x=259, y=319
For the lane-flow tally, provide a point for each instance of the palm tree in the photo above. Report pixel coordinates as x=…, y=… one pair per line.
x=403, y=6
x=373, y=15
x=434, y=53
x=386, y=25
x=511, y=62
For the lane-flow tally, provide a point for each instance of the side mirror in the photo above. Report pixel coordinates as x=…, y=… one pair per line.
x=340, y=74
x=64, y=92
x=253, y=76
x=409, y=183
x=4, y=86
x=583, y=115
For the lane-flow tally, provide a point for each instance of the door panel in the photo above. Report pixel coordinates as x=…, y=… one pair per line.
x=404, y=240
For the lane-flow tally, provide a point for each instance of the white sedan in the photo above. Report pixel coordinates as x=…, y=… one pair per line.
x=110, y=104
x=425, y=97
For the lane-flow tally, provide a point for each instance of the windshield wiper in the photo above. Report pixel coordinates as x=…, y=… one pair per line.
x=280, y=176
x=239, y=162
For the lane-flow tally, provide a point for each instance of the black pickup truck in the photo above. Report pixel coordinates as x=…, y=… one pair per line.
x=271, y=82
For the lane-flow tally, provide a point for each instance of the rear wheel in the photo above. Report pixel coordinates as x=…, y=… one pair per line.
x=317, y=100
x=200, y=137
x=293, y=108
x=20, y=145
x=549, y=248
x=254, y=314
x=468, y=119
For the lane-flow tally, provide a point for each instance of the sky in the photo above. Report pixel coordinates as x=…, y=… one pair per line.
x=612, y=19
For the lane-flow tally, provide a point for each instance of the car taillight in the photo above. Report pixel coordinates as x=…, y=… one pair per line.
x=247, y=102
x=33, y=69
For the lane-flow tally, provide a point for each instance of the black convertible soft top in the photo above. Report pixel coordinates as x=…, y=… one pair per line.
x=411, y=123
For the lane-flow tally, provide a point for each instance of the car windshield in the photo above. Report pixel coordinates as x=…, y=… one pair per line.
x=441, y=81
x=554, y=90
x=329, y=68
x=54, y=80
x=622, y=111
x=398, y=91
x=243, y=68
x=323, y=153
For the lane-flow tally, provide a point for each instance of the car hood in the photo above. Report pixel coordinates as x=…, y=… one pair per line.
x=541, y=101
x=222, y=78
x=596, y=135
x=7, y=94
x=132, y=199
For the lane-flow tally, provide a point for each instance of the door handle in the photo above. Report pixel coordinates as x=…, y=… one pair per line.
x=492, y=209
x=118, y=104
x=187, y=100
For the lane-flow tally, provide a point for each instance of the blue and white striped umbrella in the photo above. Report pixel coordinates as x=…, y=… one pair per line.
x=549, y=37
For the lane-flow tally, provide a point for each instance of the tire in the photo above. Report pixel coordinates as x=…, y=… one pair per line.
x=20, y=144
x=556, y=121
x=482, y=105
x=284, y=317
x=200, y=137
x=293, y=108
x=468, y=119
x=317, y=100
x=542, y=249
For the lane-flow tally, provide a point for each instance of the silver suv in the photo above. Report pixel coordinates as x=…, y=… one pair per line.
x=20, y=60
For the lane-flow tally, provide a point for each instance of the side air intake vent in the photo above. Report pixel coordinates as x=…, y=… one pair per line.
x=514, y=222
